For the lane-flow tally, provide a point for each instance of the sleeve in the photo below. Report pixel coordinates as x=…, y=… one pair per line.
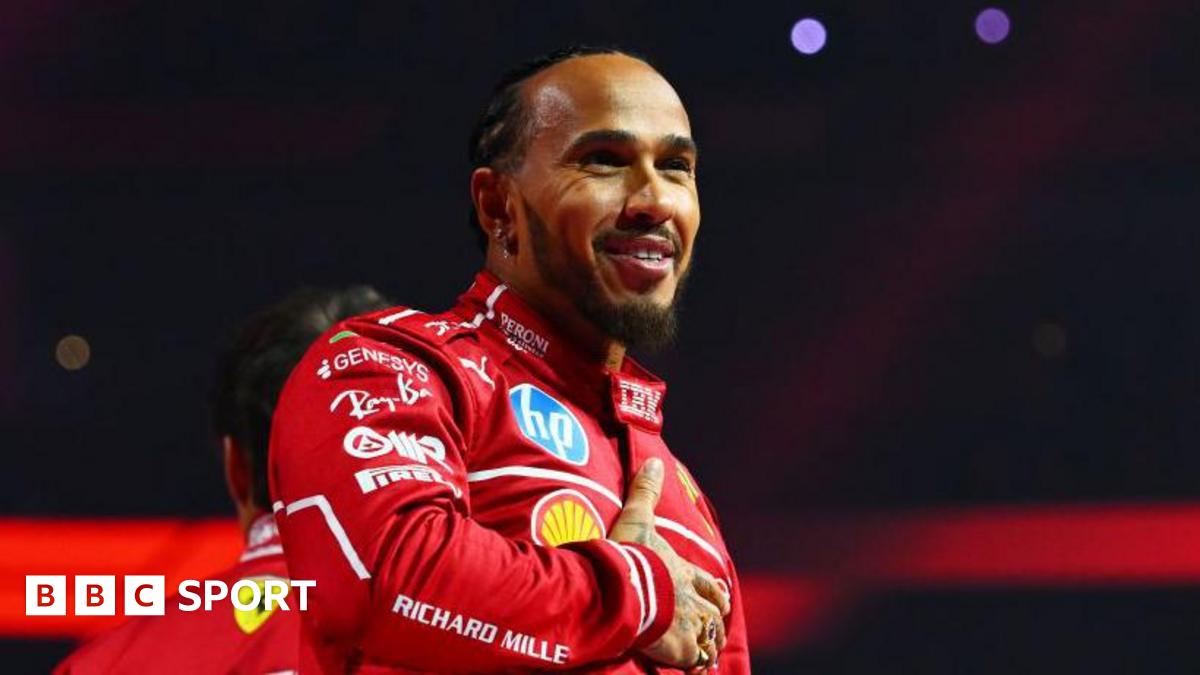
x=369, y=479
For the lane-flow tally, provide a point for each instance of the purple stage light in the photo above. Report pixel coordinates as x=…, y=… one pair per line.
x=808, y=36
x=992, y=25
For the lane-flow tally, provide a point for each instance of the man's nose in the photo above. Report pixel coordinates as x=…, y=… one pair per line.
x=651, y=202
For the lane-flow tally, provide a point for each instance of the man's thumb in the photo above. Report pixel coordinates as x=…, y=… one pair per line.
x=646, y=487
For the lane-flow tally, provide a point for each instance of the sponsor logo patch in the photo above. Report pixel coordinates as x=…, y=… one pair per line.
x=523, y=338
x=409, y=392
x=443, y=327
x=360, y=355
x=366, y=443
x=362, y=404
x=479, y=369
x=693, y=493
x=689, y=486
x=250, y=620
x=370, y=480
x=263, y=530
x=549, y=423
x=639, y=400
x=563, y=517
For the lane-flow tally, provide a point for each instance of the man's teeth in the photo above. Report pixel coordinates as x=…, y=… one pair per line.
x=648, y=255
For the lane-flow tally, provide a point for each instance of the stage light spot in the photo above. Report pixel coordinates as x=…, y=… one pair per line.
x=992, y=25
x=72, y=352
x=808, y=36
x=1049, y=340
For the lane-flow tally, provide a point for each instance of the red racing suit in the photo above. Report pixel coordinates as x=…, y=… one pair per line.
x=448, y=480
x=225, y=640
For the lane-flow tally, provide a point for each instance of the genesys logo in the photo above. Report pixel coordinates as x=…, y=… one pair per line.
x=366, y=443
x=360, y=355
x=145, y=594
x=549, y=423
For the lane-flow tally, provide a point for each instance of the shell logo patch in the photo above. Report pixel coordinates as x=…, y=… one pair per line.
x=250, y=620
x=563, y=517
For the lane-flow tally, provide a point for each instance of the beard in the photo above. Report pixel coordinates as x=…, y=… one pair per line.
x=638, y=324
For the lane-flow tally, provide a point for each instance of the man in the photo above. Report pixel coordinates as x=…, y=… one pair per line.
x=247, y=381
x=452, y=481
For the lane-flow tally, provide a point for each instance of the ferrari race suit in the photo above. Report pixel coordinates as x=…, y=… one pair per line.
x=226, y=640
x=448, y=480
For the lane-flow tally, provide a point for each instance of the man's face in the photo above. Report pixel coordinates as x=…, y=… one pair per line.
x=609, y=207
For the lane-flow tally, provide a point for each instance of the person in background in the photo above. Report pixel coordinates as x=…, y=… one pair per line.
x=248, y=377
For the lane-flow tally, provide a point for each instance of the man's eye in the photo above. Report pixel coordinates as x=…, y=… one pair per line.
x=677, y=164
x=602, y=158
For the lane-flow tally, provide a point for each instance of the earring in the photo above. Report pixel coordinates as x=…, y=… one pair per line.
x=502, y=241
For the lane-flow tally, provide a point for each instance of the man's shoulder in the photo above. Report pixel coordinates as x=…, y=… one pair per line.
x=403, y=328
x=444, y=345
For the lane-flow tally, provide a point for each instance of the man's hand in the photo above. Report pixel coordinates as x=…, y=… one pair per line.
x=697, y=631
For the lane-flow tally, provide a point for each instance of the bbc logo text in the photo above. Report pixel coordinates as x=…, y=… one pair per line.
x=145, y=594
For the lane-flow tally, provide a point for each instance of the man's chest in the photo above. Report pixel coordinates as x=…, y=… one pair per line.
x=546, y=469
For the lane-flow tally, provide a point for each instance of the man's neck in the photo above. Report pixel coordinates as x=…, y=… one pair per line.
x=247, y=514
x=614, y=356
x=565, y=317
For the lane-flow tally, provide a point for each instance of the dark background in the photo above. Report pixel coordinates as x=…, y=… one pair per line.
x=932, y=273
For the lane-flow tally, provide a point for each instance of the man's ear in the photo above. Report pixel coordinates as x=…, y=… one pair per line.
x=489, y=192
x=237, y=472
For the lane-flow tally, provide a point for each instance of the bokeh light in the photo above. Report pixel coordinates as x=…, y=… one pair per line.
x=72, y=352
x=1049, y=339
x=808, y=36
x=992, y=25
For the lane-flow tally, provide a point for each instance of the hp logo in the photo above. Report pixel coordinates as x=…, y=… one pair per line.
x=549, y=423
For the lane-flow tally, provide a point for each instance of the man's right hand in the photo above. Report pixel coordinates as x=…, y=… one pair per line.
x=697, y=632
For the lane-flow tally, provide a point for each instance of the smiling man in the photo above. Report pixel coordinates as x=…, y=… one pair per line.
x=487, y=488
x=606, y=157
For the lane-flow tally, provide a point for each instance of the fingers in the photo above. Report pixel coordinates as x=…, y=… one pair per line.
x=645, y=490
x=646, y=487
x=686, y=652
x=708, y=589
x=712, y=629
x=696, y=636
x=710, y=651
x=708, y=644
x=719, y=638
x=702, y=663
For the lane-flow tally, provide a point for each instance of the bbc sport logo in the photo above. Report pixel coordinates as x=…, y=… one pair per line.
x=145, y=595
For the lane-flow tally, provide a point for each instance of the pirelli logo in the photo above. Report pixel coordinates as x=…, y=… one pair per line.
x=370, y=480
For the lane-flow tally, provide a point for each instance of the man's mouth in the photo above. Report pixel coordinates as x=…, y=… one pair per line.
x=641, y=261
